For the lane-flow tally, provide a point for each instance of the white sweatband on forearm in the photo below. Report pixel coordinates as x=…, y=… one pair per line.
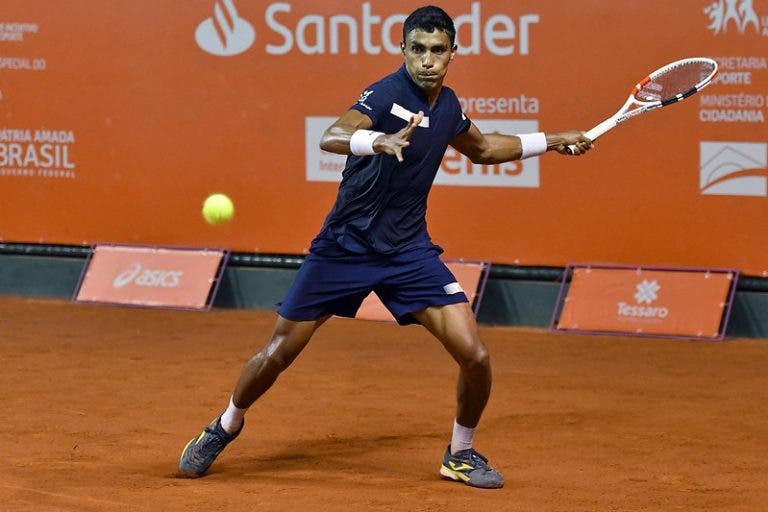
x=361, y=143
x=534, y=144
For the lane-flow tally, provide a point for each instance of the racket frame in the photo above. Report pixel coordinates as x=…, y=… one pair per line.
x=624, y=114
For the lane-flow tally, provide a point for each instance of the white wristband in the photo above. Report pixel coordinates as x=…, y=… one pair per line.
x=534, y=144
x=361, y=143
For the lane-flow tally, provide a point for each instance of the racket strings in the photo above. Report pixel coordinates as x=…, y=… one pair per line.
x=679, y=79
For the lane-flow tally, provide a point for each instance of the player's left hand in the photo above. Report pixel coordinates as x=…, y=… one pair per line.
x=574, y=138
x=394, y=143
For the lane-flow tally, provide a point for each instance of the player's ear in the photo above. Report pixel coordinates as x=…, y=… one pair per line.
x=402, y=47
x=453, y=52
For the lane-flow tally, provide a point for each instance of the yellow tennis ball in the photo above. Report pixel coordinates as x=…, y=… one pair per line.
x=218, y=209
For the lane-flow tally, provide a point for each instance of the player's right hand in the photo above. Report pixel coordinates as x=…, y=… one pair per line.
x=572, y=143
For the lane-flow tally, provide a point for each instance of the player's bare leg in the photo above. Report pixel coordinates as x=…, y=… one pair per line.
x=261, y=371
x=455, y=326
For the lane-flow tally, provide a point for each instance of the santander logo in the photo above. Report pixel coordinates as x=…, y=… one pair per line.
x=364, y=30
x=225, y=33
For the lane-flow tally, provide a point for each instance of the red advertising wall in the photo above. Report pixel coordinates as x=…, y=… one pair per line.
x=647, y=301
x=118, y=118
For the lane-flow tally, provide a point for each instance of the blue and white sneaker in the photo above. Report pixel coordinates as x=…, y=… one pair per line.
x=202, y=450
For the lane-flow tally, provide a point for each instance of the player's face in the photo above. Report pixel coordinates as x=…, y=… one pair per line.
x=427, y=55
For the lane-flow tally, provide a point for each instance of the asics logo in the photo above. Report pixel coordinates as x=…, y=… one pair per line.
x=140, y=276
x=226, y=33
x=127, y=276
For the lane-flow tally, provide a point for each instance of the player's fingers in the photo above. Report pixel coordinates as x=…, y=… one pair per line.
x=409, y=129
x=580, y=146
x=575, y=149
x=414, y=122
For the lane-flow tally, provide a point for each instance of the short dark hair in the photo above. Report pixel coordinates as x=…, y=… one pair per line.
x=430, y=18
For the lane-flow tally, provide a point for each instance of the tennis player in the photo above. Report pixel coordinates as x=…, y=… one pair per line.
x=375, y=239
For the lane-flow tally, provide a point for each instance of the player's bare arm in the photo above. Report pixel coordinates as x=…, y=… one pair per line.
x=336, y=139
x=494, y=148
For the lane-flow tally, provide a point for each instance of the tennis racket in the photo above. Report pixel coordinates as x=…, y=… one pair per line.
x=665, y=86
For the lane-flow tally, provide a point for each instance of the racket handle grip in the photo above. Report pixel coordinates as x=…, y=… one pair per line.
x=595, y=132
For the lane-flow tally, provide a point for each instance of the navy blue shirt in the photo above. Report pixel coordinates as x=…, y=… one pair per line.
x=381, y=206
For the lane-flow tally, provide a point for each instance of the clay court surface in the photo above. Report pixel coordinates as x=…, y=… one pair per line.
x=98, y=402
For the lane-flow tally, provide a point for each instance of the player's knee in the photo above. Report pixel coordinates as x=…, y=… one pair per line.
x=272, y=358
x=477, y=360
x=276, y=362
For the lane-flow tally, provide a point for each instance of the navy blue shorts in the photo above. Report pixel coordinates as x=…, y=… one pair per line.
x=333, y=281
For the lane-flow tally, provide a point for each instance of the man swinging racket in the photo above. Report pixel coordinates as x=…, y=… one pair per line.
x=375, y=239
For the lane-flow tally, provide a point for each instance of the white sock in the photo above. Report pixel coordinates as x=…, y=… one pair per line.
x=232, y=418
x=462, y=438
